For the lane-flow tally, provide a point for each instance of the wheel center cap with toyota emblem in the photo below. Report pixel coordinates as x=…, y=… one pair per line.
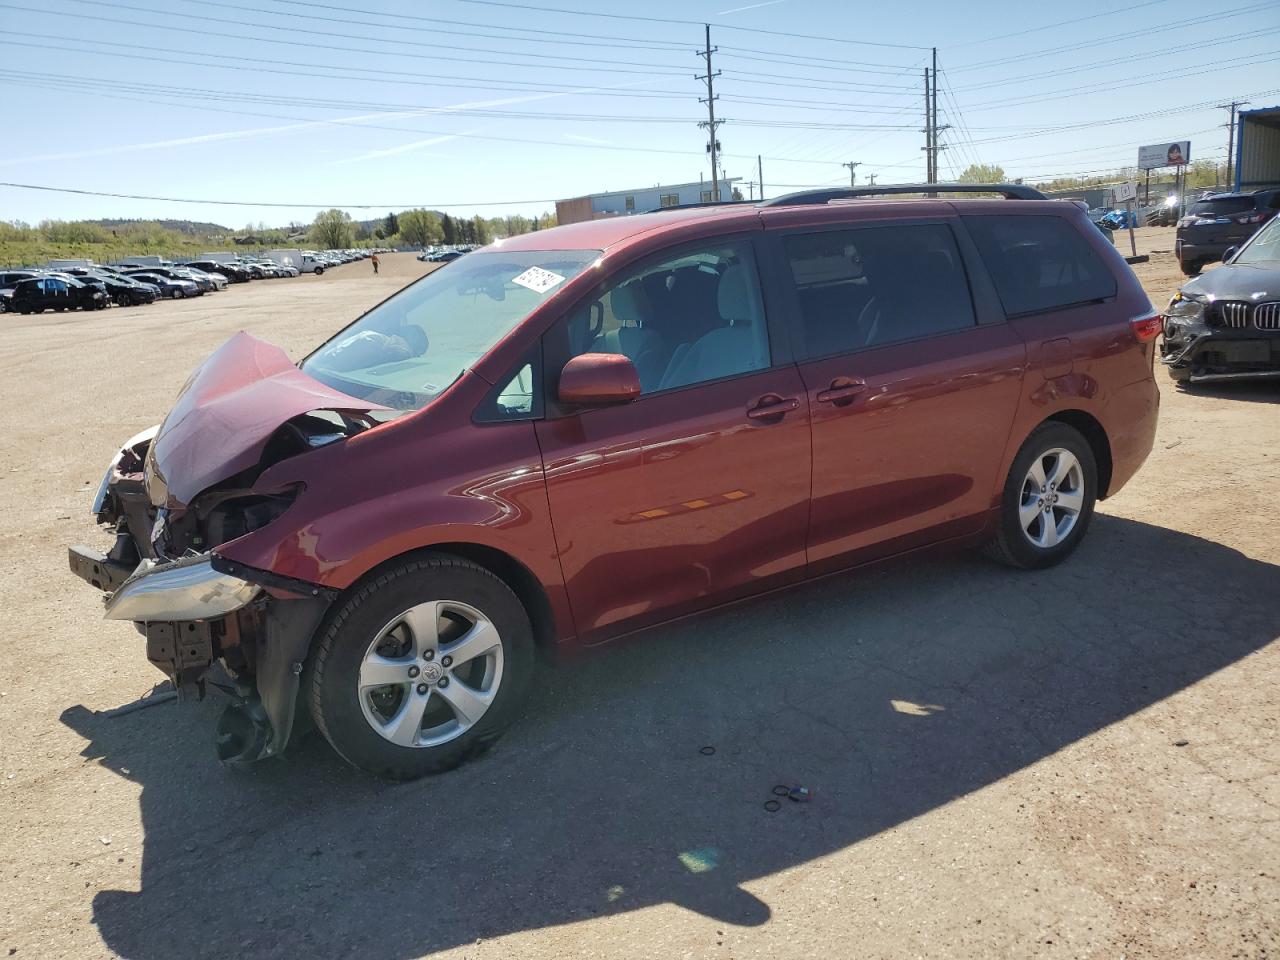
x=432, y=672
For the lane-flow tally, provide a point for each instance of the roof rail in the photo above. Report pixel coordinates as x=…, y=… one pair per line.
x=1011, y=191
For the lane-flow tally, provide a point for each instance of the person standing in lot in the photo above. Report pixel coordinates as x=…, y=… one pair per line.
x=374, y=258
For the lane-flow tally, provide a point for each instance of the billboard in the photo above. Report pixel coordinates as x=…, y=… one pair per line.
x=1164, y=155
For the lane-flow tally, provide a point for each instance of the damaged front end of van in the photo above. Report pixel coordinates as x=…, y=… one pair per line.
x=175, y=494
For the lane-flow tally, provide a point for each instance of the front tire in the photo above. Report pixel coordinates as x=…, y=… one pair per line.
x=421, y=668
x=1048, y=499
x=1191, y=267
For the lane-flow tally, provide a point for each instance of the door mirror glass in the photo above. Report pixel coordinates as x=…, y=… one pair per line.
x=1228, y=253
x=598, y=379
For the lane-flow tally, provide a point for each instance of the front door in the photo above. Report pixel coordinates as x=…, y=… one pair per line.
x=697, y=491
x=912, y=388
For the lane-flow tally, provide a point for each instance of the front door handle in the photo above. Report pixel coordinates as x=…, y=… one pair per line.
x=842, y=391
x=772, y=407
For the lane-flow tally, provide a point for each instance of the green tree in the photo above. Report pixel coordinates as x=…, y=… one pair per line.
x=982, y=173
x=449, y=229
x=420, y=228
x=391, y=225
x=332, y=230
x=481, y=230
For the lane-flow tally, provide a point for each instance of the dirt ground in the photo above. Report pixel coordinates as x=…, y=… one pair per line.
x=1077, y=763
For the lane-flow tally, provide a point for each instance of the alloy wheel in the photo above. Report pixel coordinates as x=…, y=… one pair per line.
x=1052, y=498
x=430, y=674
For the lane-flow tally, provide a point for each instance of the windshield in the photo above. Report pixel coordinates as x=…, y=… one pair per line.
x=1264, y=247
x=407, y=350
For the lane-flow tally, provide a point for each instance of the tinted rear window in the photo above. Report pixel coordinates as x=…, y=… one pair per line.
x=1040, y=263
x=1221, y=208
x=876, y=285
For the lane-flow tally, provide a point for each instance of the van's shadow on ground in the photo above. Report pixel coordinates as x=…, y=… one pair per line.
x=600, y=801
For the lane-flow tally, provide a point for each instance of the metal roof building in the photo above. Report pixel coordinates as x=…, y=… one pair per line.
x=620, y=203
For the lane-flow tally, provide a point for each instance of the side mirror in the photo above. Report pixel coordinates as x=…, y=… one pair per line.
x=599, y=379
x=1228, y=253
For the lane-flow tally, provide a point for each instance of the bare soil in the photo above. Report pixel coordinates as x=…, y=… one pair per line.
x=1077, y=763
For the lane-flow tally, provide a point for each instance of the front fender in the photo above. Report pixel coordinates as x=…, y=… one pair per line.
x=367, y=503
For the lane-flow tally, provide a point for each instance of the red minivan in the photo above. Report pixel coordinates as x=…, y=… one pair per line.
x=578, y=433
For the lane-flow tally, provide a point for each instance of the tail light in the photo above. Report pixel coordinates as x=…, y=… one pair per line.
x=1146, y=327
x=1251, y=218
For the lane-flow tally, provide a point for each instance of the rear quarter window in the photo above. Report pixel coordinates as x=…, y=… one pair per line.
x=1039, y=263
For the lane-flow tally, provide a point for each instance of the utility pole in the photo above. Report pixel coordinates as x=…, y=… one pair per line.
x=1231, y=137
x=933, y=114
x=928, y=132
x=852, y=171
x=711, y=123
x=873, y=180
x=760, y=175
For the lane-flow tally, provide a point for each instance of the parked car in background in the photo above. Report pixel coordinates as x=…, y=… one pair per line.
x=97, y=283
x=174, y=288
x=55, y=293
x=1216, y=222
x=234, y=273
x=601, y=427
x=126, y=291
x=10, y=278
x=148, y=291
x=1225, y=324
x=204, y=281
x=444, y=256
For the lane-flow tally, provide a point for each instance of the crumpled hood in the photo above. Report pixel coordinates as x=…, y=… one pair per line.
x=1251, y=282
x=227, y=411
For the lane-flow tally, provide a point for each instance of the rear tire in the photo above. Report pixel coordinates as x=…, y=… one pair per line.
x=402, y=625
x=1048, y=499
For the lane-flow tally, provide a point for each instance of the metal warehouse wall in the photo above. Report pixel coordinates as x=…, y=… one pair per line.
x=1258, y=159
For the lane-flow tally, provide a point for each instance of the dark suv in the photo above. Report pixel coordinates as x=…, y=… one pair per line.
x=1215, y=223
x=56, y=293
x=587, y=431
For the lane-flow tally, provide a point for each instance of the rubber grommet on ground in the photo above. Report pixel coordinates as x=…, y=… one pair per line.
x=772, y=806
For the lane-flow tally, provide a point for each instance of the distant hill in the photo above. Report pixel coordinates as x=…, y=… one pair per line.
x=189, y=227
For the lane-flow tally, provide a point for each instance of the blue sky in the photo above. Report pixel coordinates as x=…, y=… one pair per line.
x=494, y=106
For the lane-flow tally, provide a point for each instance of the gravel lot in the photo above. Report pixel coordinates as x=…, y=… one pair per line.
x=1077, y=763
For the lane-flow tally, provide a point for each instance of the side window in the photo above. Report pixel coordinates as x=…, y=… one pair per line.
x=683, y=320
x=631, y=203
x=669, y=200
x=871, y=286
x=518, y=397
x=1039, y=263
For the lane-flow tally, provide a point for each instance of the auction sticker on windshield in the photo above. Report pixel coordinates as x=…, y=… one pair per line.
x=538, y=280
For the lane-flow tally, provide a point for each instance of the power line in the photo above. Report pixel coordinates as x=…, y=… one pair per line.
x=581, y=39
x=539, y=8
x=665, y=69
x=1091, y=67
x=1128, y=8
x=250, y=203
x=394, y=109
x=1110, y=38
x=94, y=86
x=425, y=79
x=1121, y=83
